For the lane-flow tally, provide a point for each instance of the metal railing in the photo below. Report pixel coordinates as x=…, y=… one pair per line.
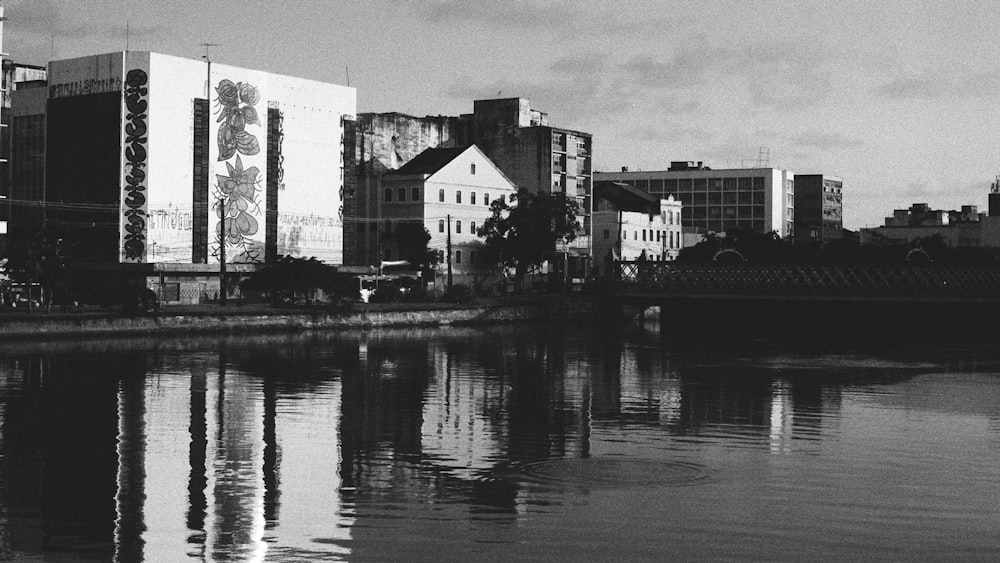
x=932, y=281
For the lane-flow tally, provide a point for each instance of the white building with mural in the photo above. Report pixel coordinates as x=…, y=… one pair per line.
x=176, y=164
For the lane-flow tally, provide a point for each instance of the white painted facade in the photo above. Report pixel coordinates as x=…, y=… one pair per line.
x=459, y=194
x=629, y=235
x=310, y=194
x=757, y=199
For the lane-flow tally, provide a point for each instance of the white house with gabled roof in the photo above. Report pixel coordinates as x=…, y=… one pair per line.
x=449, y=191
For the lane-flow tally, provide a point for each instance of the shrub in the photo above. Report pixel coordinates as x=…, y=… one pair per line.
x=458, y=293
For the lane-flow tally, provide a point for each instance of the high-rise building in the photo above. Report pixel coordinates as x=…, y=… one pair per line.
x=819, y=207
x=518, y=139
x=745, y=199
x=539, y=157
x=169, y=166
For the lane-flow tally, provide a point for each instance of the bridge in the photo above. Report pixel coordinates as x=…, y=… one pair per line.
x=894, y=300
x=655, y=280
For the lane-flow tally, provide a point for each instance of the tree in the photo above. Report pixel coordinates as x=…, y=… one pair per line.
x=289, y=277
x=411, y=241
x=43, y=258
x=524, y=235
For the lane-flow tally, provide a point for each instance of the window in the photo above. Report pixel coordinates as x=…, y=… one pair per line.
x=388, y=195
x=401, y=194
x=644, y=235
x=472, y=169
x=458, y=256
x=441, y=225
x=441, y=195
x=486, y=199
x=472, y=198
x=458, y=226
x=440, y=256
x=607, y=234
x=472, y=227
x=458, y=196
x=472, y=257
x=414, y=194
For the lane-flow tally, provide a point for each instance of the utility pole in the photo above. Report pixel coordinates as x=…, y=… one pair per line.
x=222, y=198
x=448, y=251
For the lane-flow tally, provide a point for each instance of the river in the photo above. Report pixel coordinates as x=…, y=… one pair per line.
x=503, y=443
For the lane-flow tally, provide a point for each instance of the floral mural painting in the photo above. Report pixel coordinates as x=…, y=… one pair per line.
x=134, y=226
x=236, y=193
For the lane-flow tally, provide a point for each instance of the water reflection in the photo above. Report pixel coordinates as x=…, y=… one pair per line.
x=334, y=446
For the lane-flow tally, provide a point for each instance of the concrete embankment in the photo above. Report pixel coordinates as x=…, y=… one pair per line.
x=261, y=319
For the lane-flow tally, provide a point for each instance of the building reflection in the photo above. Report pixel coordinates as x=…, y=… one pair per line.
x=301, y=447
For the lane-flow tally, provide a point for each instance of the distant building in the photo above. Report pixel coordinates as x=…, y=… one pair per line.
x=539, y=157
x=994, y=198
x=746, y=199
x=518, y=139
x=22, y=139
x=142, y=149
x=385, y=142
x=966, y=227
x=448, y=192
x=630, y=224
x=819, y=207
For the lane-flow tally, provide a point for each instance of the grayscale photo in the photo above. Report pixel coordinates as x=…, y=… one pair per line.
x=518, y=280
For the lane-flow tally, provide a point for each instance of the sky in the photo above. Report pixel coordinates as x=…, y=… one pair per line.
x=899, y=99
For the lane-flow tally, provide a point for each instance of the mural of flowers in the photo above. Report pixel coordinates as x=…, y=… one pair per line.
x=239, y=190
x=236, y=193
x=236, y=111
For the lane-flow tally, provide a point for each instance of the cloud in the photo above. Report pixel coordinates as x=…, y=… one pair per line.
x=772, y=74
x=575, y=88
x=823, y=141
x=954, y=83
x=554, y=18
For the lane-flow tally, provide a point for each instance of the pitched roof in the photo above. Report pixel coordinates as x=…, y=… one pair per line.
x=626, y=197
x=429, y=161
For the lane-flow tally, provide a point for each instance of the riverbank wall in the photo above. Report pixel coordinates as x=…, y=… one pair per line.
x=531, y=309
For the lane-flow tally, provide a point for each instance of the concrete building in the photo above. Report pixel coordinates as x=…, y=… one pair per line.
x=755, y=199
x=23, y=141
x=385, y=142
x=448, y=191
x=819, y=215
x=539, y=157
x=994, y=198
x=150, y=159
x=518, y=139
x=630, y=224
x=966, y=227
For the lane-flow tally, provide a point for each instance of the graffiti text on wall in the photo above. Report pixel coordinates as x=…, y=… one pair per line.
x=236, y=194
x=86, y=87
x=169, y=220
x=134, y=199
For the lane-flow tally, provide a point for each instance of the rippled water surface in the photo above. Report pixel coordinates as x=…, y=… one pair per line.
x=525, y=443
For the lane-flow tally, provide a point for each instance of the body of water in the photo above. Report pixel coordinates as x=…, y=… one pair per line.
x=507, y=443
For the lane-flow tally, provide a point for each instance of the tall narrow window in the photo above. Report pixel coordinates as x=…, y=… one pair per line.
x=441, y=195
x=486, y=199
x=472, y=198
x=458, y=226
x=388, y=195
x=472, y=227
x=401, y=194
x=458, y=196
x=414, y=194
x=441, y=225
x=472, y=169
x=458, y=256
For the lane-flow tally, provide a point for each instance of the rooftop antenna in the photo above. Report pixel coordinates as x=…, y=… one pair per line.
x=763, y=159
x=126, y=34
x=348, y=69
